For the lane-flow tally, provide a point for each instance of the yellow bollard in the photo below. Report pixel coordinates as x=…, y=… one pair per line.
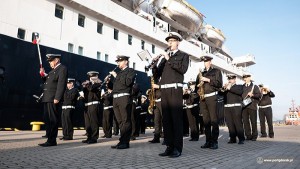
x=36, y=125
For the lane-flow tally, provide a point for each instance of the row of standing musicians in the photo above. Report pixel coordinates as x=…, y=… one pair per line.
x=168, y=72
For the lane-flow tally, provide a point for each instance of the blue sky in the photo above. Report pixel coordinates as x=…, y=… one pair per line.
x=268, y=29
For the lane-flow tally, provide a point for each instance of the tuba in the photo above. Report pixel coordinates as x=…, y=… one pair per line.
x=200, y=86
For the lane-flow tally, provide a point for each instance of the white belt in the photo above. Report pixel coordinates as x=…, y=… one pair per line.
x=210, y=94
x=120, y=95
x=233, y=105
x=138, y=107
x=175, y=85
x=184, y=107
x=68, y=107
x=143, y=113
x=265, y=106
x=191, y=106
x=91, y=103
x=107, y=107
x=158, y=100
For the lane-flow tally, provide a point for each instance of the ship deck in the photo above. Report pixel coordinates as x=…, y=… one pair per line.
x=18, y=149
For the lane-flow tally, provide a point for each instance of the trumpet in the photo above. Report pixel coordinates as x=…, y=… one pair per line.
x=226, y=87
x=155, y=60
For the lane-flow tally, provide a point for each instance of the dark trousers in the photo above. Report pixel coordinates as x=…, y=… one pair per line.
x=157, y=120
x=193, y=117
x=107, y=122
x=52, y=114
x=201, y=124
x=91, y=117
x=249, y=114
x=186, y=129
x=210, y=119
x=123, y=109
x=233, y=117
x=171, y=103
x=142, y=120
x=115, y=125
x=135, y=122
x=46, y=120
x=66, y=122
x=266, y=113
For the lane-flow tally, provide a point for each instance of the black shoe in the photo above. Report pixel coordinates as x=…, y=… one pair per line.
x=175, y=153
x=114, y=146
x=194, y=139
x=85, y=134
x=186, y=135
x=132, y=138
x=62, y=138
x=214, y=146
x=45, y=136
x=167, y=152
x=155, y=140
x=123, y=146
x=231, y=141
x=271, y=136
x=103, y=136
x=262, y=136
x=116, y=134
x=254, y=139
x=108, y=136
x=249, y=138
x=67, y=138
x=92, y=141
x=46, y=144
x=163, y=143
x=206, y=145
x=241, y=142
x=85, y=141
x=201, y=133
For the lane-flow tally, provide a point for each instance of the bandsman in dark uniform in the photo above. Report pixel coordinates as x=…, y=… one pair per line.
x=250, y=111
x=212, y=82
x=92, y=95
x=54, y=88
x=191, y=98
x=136, y=110
x=143, y=114
x=157, y=111
x=171, y=70
x=68, y=109
x=122, y=101
x=265, y=111
x=233, y=109
x=107, y=100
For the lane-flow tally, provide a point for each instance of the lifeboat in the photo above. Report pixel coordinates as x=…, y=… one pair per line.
x=214, y=35
x=179, y=14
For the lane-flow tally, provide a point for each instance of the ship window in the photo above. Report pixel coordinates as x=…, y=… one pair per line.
x=129, y=39
x=98, y=55
x=59, y=11
x=99, y=27
x=81, y=19
x=133, y=65
x=116, y=34
x=153, y=49
x=21, y=33
x=106, y=58
x=142, y=44
x=70, y=47
x=80, y=50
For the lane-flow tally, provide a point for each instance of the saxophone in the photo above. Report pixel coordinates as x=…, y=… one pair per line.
x=200, y=86
x=151, y=96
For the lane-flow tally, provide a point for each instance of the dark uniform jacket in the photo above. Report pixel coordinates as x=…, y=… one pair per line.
x=266, y=99
x=256, y=95
x=70, y=97
x=192, y=98
x=173, y=70
x=234, y=95
x=215, y=83
x=124, y=81
x=55, y=84
x=107, y=99
x=92, y=92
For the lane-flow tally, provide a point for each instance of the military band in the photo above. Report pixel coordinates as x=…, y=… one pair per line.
x=125, y=108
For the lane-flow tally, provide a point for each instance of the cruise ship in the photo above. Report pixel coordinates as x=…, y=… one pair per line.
x=89, y=34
